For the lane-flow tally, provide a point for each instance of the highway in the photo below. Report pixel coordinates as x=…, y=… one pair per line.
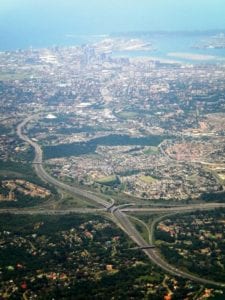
x=178, y=209
x=48, y=178
x=52, y=212
x=153, y=253
x=117, y=213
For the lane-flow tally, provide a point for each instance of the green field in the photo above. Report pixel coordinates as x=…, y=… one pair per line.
x=151, y=151
x=14, y=75
x=108, y=180
x=148, y=179
x=127, y=114
x=193, y=178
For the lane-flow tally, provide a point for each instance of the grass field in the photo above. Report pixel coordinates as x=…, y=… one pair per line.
x=148, y=179
x=108, y=180
x=222, y=176
x=151, y=150
x=193, y=178
x=14, y=75
x=127, y=114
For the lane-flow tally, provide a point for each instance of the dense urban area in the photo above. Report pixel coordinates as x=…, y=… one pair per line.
x=112, y=174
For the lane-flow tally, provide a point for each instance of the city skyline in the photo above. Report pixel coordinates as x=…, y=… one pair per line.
x=29, y=20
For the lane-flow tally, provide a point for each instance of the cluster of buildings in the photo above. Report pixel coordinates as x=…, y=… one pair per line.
x=50, y=258
x=196, y=240
x=93, y=94
x=26, y=188
x=9, y=197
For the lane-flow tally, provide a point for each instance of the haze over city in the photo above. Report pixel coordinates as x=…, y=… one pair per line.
x=112, y=142
x=29, y=22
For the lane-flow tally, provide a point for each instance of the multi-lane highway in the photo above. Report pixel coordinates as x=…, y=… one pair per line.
x=175, y=209
x=117, y=212
x=52, y=212
x=46, y=177
x=153, y=253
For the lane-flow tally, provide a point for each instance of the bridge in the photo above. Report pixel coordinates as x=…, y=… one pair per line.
x=110, y=206
x=118, y=214
x=143, y=247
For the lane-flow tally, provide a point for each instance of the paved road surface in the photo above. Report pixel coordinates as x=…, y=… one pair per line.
x=153, y=254
x=178, y=209
x=39, y=211
x=46, y=177
x=120, y=218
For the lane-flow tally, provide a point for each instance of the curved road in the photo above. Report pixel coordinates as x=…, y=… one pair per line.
x=154, y=255
x=119, y=217
x=46, y=177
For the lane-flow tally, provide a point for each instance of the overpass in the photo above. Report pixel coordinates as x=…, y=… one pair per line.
x=118, y=212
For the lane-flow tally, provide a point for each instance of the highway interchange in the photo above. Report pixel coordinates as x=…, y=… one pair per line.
x=116, y=213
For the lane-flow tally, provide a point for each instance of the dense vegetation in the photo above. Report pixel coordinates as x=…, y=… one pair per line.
x=80, y=148
x=22, y=201
x=11, y=170
x=75, y=250
x=4, y=129
x=213, y=197
x=196, y=242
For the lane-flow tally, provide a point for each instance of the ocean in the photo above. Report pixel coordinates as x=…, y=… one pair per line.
x=47, y=23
